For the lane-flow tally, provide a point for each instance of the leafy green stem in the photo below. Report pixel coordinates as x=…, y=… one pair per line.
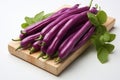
x=101, y=38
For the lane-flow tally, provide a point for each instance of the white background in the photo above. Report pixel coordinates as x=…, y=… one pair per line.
x=86, y=67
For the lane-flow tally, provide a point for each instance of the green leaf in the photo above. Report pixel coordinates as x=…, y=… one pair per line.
x=112, y=37
x=29, y=20
x=101, y=16
x=47, y=15
x=102, y=55
x=105, y=37
x=93, y=19
x=109, y=47
x=39, y=16
x=24, y=25
x=96, y=42
x=101, y=36
x=100, y=30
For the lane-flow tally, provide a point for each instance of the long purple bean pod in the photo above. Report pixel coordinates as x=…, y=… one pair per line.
x=69, y=36
x=51, y=34
x=68, y=48
x=71, y=12
x=84, y=39
x=56, y=42
x=28, y=41
x=39, y=25
x=67, y=9
x=35, y=46
x=74, y=7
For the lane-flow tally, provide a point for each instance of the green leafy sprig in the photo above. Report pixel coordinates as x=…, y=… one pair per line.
x=101, y=38
x=31, y=20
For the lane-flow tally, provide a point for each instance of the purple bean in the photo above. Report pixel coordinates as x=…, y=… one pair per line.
x=51, y=34
x=28, y=41
x=84, y=39
x=50, y=26
x=56, y=42
x=36, y=46
x=68, y=48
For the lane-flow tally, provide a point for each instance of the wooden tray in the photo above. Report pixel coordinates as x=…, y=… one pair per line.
x=50, y=65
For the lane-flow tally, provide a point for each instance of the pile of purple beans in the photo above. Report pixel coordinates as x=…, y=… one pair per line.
x=59, y=35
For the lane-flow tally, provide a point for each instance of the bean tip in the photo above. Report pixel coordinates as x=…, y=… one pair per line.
x=90, y=4
x=58, y=60
x=46, y=57
x=18, y=48
x=43, y=43
x=32, y=50
x=40, y=55
x=16, y=39
x=39, y=38
x=22, y=32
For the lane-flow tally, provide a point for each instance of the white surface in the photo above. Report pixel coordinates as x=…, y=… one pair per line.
x=86, y=67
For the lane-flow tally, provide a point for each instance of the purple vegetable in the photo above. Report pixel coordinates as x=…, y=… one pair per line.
x=62, y=10
x=50, y=19
x=74, y=28
x=84, y=39
x=36, y=46
x=64, y=54
x=74, y=7
x=58, y=13
x=65, y=42
x=48, y=27
x=28, y=41
x=22, y=36
x=68, y=48
x=44, y=49
x=94, y=10
x=69, y=36
x=67, y=9
x=36, y=27
x=78, y=10
x=50, y=35
x=40, y=25
x=56, y=42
